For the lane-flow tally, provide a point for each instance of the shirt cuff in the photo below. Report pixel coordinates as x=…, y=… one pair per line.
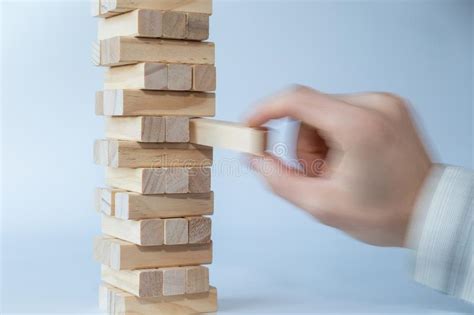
x=441, y=232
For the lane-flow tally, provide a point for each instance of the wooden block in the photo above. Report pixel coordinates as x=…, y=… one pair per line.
x=177, y=180
x=180, y=77
x=141, y=283
x=142, y=23
x=197, y=279
x=198, y=26
x=141, y=129
x=123, y=50
x=158, y=76
x=105, y=250
x=133, y=206
x=119, y=302
x=99, y=103
x=105, y=200
x=154, y=103
x=151, y=76
x=199, y=179
x=102, y=155
x=148, y=129
x=118, y=153
x=141, y=180
x=122, y=255
x=149, y=282
x=96, y=51
x=177, y=129
x=144, y=181
x=149, y=232
x=159, y=180
x=95, y=7
x=199, y=229
x=174, y=25
x=155, y=24
x=113, y=7
x=103, y=298
x=228, y=135
x=176, y=231
x=174, y=281
x=204, y=78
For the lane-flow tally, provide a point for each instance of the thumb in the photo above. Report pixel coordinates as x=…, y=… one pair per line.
x=309, y=193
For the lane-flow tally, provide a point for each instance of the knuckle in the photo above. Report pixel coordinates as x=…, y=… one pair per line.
x=298, y=90
x=397, y=107
x=387, y=97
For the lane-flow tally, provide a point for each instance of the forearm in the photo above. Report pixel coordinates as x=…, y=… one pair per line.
x=441, y=232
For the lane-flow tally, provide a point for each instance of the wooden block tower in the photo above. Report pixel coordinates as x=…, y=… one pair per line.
x=159, y=81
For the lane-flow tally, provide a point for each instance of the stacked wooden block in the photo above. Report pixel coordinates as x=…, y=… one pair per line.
x=160, y=76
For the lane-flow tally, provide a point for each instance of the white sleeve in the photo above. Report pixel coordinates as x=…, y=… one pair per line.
x=441, y=232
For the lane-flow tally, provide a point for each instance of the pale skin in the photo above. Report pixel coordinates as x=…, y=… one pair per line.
x=373, y=161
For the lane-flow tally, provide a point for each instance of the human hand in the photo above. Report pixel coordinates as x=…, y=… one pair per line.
x=374, y=162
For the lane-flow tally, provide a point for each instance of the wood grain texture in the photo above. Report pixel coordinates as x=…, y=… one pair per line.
x=105, y=200
x=141, y=129
x=177, y=129
x=99, y=103
x=228, y=135
x=130, y=154
x=148, y=129
x=106, y=251
x=198, y=26
x=199, y=229
x=124, y=50
x=141, y=283
x=160, y=282
x=197, y=279
x=122, y=255
x=177, y=180
x=162, y=76
x=149, y=232
x=151, y=76
x=204, y=78
x=144, y=181
x=174, y=24
x=110, y=8
x=176, y=231
x=156, y=24
x=119, y=302
x=174, y=281
x=155, y=232
x=96, y=51
x=180, y=77
x=142, y=22
x=129, y=205
x=160, y=180
x=154, y=103
x=199, y=179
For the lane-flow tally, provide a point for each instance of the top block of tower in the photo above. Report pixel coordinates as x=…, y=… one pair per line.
x=156, y=24
x=107, y=8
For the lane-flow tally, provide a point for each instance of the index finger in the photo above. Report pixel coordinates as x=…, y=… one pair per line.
x=309, y=106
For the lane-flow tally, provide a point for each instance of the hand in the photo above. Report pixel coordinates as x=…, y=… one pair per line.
x=374, y=161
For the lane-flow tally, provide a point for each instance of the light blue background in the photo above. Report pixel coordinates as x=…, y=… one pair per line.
x=269, y=256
